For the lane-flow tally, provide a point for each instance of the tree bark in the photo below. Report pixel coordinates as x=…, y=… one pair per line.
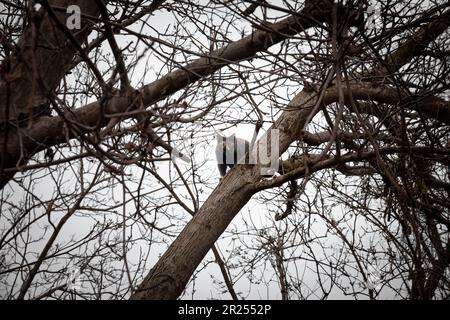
x=43, y=57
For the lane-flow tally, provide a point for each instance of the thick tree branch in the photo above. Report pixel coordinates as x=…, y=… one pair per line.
x=171, y=273
x=50, y=131
x=44, y=56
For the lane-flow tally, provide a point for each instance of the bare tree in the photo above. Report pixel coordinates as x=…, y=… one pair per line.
x=97, y=119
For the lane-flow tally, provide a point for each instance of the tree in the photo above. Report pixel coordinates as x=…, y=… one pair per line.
x=96, y=121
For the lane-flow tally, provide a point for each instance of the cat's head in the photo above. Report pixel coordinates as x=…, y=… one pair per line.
x=220, y=137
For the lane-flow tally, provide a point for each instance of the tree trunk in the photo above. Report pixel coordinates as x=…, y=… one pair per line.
x=171, y=273
x=33, y=73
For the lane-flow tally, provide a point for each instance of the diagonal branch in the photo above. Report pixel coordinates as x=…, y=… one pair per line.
x=47, y=131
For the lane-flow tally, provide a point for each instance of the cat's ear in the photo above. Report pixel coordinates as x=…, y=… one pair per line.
x=232, y=136
x=219, y=136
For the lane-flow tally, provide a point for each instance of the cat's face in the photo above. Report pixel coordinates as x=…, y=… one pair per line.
x=226, y=142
